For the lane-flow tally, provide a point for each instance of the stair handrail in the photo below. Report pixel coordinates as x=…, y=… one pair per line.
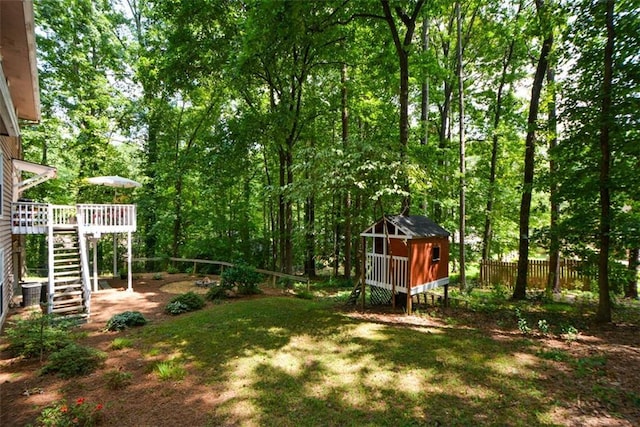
x=84, y=263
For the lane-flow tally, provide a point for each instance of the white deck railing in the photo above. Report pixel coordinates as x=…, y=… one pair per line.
x=107, y=218
x=29, y=218
x=35, y=218
x=385, y=272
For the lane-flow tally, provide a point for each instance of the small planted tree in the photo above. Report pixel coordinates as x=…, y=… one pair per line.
x=245, y=278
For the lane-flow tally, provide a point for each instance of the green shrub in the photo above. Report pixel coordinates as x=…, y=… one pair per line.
x=183, y=303
x=304, y=294
x=170, y=370
x=117, y=380
x=73, y=360
x=38, y=335
x=176, y=307
x=216, y=292
x=245, y=278
x=125, y=320
x=61, y=414
x=158, y=276
x=499, y=292
x=172, y=270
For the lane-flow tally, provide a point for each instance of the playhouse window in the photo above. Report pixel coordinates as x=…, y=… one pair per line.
x=435, y=254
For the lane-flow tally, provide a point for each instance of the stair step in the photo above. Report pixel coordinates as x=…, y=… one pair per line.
x=68, y=296
x=61, y=255
x=63, y=274
x=63, y=290
x=61, y=310
x=60, y=270
x=66, y=267
x=65, y=257
x=67, y=279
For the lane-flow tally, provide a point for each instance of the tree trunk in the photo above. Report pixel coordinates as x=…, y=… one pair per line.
x=177, y=221
x=310, y=237
x=462, y=212
x=347, y=197
x=424, y=93
x=603, y=313
x=282, y=214
x=488, y=232
x=358, y=246
x=631, y=290
x=553, y=284
x=520, y=290
x=403, y=49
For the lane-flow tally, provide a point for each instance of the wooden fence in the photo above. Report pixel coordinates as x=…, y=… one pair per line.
x=222, y=264
x=571, y=272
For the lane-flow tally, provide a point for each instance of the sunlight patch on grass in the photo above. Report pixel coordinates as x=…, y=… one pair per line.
x=297, y=362
x=520, y=364
x=368, y=331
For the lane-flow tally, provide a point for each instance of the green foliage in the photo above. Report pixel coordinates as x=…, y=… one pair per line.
x=120, y=343
x=523, y=325
x=125, y=320
x=543, y=326
x=304, y=294
x=590, y=365
x=170, y=370
x=216, y=292
x=556, y=355
x=62, y=414
x=158, y=276
x=499, y=292
x=176, y=307
x=570, y=333
x=245, y=278
x=117, y=379
x=172, y=270
x=38, y=335
x=73, y=360
x=183, y=303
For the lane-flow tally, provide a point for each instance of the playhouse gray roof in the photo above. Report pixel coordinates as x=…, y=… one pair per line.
x=413, y=226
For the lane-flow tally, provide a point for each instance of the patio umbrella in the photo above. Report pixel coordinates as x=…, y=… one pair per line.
x=115, y=181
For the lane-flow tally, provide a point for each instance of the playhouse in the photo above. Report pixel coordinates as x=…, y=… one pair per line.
x=405, y=255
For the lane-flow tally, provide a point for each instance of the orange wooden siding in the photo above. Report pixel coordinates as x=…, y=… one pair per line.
x=399, y=247
x=423, y=269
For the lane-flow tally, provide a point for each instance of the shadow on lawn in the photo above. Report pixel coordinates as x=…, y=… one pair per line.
x=294, y=362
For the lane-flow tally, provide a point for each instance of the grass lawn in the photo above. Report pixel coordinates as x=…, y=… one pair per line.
x=293, y=362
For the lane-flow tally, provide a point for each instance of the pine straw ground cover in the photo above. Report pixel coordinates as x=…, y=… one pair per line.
x=277, y=360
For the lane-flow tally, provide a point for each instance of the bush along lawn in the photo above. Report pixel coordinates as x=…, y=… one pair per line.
x=299, y=362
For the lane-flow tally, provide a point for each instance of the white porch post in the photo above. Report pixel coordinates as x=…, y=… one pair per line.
x=115, y=257
x=94, y=246
x=129, y=273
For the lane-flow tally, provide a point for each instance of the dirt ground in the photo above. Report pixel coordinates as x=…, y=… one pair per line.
x=23, y=393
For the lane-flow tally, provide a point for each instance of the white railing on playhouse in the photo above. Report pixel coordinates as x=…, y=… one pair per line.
x=387, y=272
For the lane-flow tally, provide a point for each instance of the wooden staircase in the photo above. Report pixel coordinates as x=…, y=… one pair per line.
x=69, y=297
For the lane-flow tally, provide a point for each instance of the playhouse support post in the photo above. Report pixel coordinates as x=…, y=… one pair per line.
x=446, y=295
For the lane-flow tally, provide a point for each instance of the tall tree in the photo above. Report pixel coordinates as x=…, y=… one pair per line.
x=462, y=208
x=604, y=301
x=403, y=49
x=520, y=289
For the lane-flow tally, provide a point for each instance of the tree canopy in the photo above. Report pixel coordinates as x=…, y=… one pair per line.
x=274, y=131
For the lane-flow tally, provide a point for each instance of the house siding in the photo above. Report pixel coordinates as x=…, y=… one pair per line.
x=10, y=148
